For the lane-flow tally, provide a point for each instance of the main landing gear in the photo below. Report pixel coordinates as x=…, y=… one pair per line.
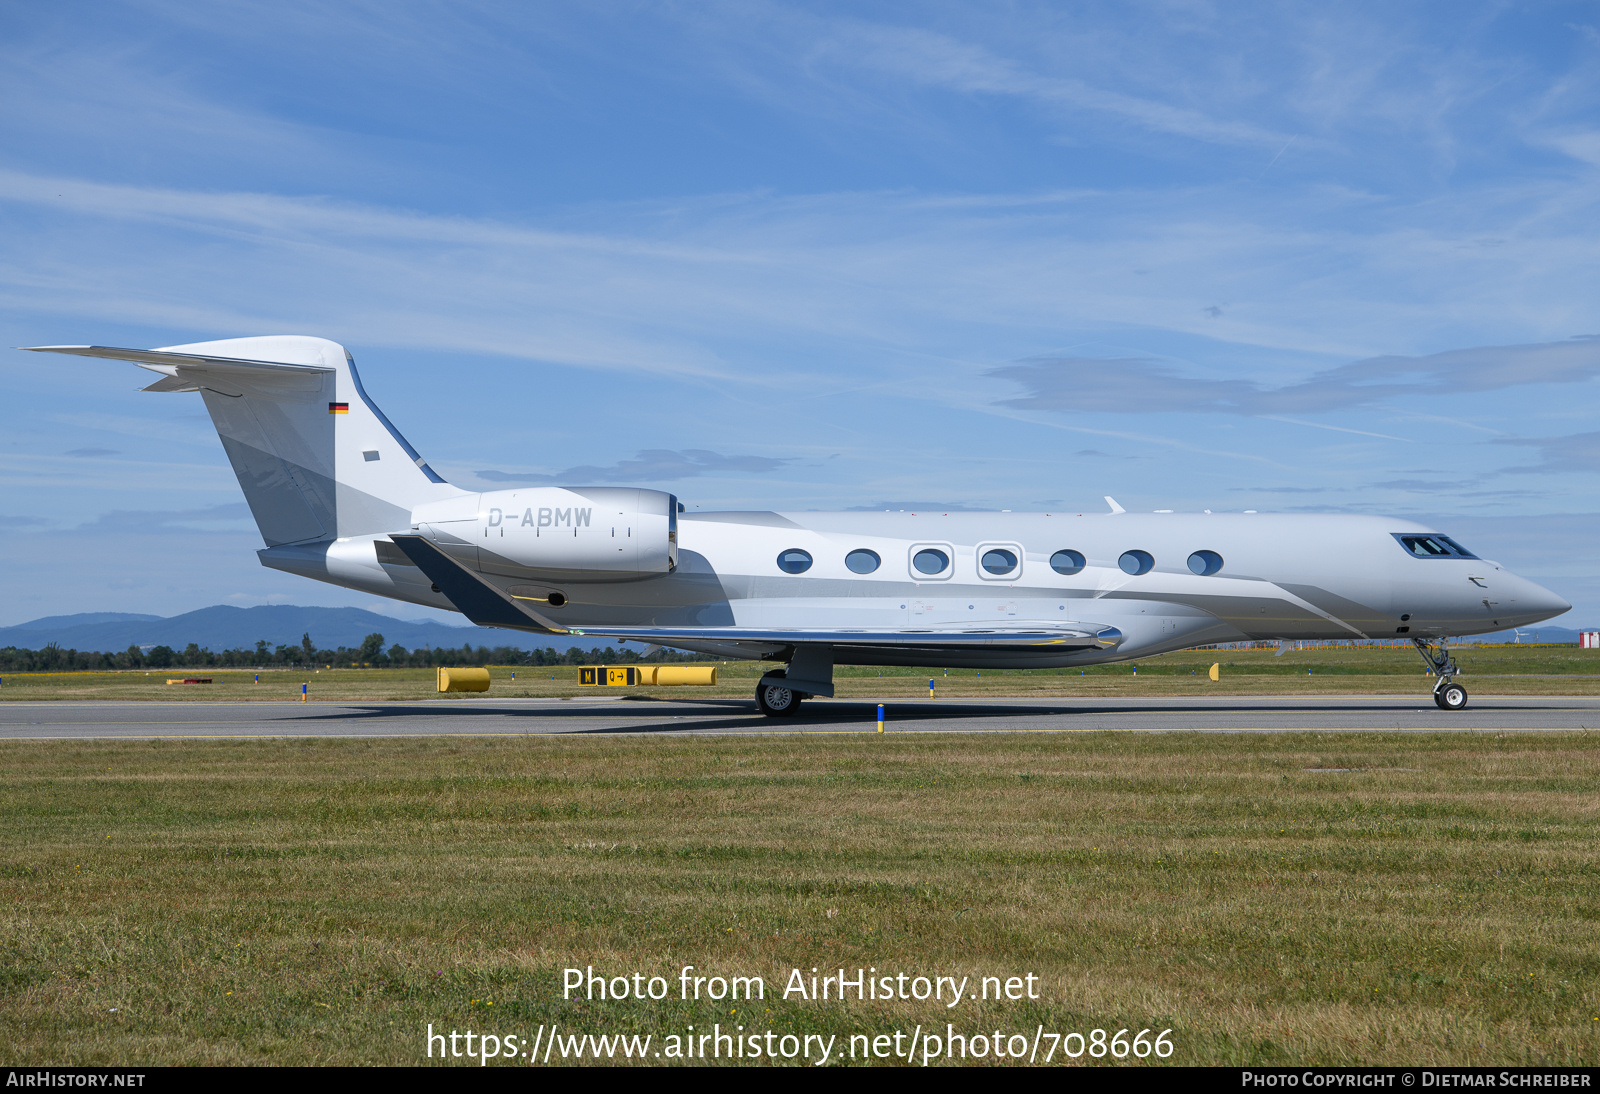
x=1447, y=694
x=775, y=700
x=809, y=672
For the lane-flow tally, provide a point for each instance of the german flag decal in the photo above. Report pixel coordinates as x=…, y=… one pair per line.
x=338, y=408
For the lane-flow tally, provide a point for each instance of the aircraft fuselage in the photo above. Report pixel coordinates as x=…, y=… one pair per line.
x=1276, y=577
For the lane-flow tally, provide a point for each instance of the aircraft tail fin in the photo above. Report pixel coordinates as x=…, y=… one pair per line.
x=316, y=458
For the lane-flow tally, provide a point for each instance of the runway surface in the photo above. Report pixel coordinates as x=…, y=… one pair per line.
x=517, y=717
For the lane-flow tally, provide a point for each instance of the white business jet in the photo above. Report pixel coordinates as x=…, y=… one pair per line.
x=340, y=496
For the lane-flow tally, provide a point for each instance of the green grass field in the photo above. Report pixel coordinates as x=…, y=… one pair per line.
x=1270, y=898
x=1489, y=670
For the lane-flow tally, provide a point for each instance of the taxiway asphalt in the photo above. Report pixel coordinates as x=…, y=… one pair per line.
x=517, y=717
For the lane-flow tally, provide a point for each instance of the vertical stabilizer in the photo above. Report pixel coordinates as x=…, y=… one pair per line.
x=317, y=460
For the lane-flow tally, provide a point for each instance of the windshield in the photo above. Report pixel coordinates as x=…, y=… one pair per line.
x=1432, y=546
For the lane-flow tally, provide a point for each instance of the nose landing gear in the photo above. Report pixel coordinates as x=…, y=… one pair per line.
x=1450, y=696
x=1447, y=694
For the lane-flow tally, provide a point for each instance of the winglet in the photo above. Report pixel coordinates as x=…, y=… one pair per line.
x=1115, y=508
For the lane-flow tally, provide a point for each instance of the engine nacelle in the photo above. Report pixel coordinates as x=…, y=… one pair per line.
x=592, y=532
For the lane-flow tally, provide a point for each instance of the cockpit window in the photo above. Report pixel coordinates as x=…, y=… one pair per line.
x=1432, y=546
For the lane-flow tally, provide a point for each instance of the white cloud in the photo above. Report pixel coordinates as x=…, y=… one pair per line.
x=675, y=288
x=1577, y=453
x=1581, y=145
x=935, y=59
x=654, y=465
x=1136, y=386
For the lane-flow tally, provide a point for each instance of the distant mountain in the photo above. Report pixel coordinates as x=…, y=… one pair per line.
x=56, y=622
x=225, y=627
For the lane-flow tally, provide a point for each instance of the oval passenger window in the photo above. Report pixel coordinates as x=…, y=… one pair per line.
x=861, y=561
x=1136, y=562
x=930, y=561
x=794, y=561
x=998, y=561
x=1066, y=562
x=1205, y=563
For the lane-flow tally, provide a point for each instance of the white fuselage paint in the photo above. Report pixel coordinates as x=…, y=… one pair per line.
x=1283, y=577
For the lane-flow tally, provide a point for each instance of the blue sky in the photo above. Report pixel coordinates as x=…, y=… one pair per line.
x=1014, y=256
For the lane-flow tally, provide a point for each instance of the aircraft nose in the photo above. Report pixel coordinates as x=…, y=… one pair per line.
x=1538, y=603
x=1552, y=603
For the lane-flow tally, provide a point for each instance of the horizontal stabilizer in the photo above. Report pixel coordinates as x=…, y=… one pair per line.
x=168, y=362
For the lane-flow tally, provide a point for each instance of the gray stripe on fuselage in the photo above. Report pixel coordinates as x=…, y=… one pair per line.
x=1361, y=616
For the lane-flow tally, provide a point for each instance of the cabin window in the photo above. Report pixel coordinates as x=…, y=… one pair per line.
x=998, y=561
x=1432, y=546
x=862, y=561
x=1067, y=562
x=1136, y=562
x=930, y=561
x=794, y=561
x=1205, y=563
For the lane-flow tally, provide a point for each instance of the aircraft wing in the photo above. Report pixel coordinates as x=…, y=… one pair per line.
x=1064, y=640
x=488, y=606
x=473, y=597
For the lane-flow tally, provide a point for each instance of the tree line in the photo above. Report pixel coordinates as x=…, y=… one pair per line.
x=370, y=653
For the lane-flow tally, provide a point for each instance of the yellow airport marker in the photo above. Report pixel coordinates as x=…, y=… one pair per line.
x=1214, y=673
x=880, y=717
x=462, y=679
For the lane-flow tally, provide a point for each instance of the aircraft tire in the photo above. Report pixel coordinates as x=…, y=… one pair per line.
x=1451, y=696
x=776, y=701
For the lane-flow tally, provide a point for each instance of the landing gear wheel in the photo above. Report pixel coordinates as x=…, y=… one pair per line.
x=777, y=701
x=1450, y=696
